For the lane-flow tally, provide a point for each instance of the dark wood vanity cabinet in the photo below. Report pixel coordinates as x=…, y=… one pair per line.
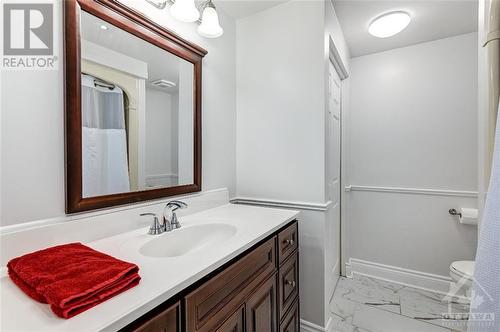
x=291, y=322
x=288, y=241
x=261, y=308
x=288, y=280
x=165, y=318
x=256, y=292
x=235, y=322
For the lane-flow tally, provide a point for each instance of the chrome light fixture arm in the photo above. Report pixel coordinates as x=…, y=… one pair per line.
x=158, y=4
x=162, y=4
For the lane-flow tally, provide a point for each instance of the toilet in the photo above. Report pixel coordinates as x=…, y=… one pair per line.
x=461, y=272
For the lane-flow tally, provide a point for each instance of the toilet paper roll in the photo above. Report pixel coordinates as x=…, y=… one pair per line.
x=469, y=216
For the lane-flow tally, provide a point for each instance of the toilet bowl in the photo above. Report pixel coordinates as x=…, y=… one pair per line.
x=462, y=272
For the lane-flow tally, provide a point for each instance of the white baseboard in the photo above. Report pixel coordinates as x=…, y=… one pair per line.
x=306, y=326
x=402, y=276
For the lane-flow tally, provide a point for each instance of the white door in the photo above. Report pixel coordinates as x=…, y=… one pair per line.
x=333, y=173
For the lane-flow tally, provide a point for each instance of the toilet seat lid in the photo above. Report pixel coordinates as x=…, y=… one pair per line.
x=464, y=268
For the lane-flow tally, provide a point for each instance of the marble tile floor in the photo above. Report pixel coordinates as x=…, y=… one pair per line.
x=363, y=304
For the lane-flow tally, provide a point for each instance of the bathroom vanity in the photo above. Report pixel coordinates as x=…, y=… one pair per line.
x=230, y=267
x=256, y=291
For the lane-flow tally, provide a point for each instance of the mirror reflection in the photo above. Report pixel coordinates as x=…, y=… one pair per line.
x=137, y=113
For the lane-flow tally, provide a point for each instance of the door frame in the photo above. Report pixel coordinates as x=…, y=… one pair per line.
x=341, y=69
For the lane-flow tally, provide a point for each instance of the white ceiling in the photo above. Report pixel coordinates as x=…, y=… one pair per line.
x=241, y=8
x=431, y=20
x=161, y=64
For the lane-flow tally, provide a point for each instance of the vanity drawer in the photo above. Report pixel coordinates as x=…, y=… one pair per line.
x=229, y=288
x=291, y=322
x=288, y=278
x=287, y=241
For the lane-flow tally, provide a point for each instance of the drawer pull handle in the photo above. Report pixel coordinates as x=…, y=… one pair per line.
x=289, y=242
x=291, y=283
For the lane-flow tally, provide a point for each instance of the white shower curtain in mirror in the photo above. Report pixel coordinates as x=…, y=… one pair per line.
x=485, y=303
x=104, y=140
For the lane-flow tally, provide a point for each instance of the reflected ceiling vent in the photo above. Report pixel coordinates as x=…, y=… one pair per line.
x=163, y=84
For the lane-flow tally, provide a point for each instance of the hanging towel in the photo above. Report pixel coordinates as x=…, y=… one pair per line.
x=71, y=278
x=485, y=304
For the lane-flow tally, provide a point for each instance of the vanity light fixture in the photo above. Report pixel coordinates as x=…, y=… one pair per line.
x=210, y=26
x=389, y=24
x=185, y=11
x=188, y=11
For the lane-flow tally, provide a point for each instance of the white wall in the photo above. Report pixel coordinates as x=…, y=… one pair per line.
x=413, y=124
x=280, y=99
x=32, y=132
x=334, y=31
x=282, y=86
x=280, y=119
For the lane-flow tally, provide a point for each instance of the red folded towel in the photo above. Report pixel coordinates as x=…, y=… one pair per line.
x=72, y=278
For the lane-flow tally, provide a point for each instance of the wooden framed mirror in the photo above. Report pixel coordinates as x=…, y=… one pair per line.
x=133, y=107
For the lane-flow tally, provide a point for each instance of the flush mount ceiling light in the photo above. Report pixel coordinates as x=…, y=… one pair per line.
x=185, y=11
x=389, y=24
x=104, y=27
x=210, y=26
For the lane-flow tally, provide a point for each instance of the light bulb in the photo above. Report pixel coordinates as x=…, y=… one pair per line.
x=210, y=26
x=185, y=11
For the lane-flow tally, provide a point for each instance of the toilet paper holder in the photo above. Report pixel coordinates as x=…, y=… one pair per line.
x=454, y=212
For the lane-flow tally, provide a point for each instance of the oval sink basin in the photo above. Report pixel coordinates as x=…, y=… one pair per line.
x=187, y=240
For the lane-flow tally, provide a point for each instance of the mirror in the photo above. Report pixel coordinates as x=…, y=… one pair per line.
x=138, y=111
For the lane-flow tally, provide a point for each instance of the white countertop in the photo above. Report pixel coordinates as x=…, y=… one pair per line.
x=162, y=278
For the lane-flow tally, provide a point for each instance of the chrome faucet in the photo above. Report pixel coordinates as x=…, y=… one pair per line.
x=156, y=228
x=168, y=224
x=173, y=223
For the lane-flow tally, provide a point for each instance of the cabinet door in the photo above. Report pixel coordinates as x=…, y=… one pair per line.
x=291, y=321
x=234, y=323
x=211, y=303
x=261, y=308
x=162, y=321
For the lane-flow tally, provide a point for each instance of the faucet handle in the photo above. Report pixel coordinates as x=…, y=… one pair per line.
x=155, y=228
x=176, y=205
x=173, y=223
